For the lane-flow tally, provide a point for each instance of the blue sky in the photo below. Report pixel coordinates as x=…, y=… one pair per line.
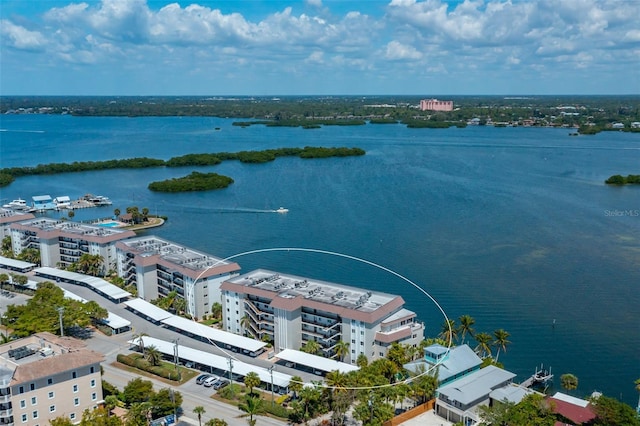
x=319, y=47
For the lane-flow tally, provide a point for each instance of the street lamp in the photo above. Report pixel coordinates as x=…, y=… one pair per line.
x=60, y=311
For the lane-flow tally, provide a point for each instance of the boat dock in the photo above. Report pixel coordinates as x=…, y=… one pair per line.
x=540, y=377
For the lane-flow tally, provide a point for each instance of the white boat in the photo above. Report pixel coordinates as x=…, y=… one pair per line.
x=282, y=210
x=97, y=200
x=18, y=204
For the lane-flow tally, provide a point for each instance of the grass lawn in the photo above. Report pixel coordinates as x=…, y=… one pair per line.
x=186, y=374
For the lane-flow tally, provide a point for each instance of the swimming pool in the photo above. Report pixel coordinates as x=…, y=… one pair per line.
x=110, y=224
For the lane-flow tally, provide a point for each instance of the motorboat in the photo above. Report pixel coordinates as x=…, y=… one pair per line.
x=282, y=210
x=18, y=204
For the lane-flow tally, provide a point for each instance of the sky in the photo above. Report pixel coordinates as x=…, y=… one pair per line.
x=319, y=47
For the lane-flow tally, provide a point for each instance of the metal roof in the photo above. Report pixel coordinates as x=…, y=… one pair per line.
x=13, y=263
x=96, y=284
x=214, y=334
x=315, y=361
x=115, y=321
x=147, y=309
x=476, y=385
x=215, y=361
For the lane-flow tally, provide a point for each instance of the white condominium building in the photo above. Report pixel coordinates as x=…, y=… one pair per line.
x=62, y=242
x=43, y=377
x=158, y=266
x=291, y=310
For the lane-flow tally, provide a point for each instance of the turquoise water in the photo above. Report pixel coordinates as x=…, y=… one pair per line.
x=513, y=226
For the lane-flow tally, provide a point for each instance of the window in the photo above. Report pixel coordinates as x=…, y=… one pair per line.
x=353, y=341
x=361, y=343
x=24, y=418
x=76, y=401
x=92, y=370
x=52, y=409
x=49, y=381
x=94, y=396
x=74, y=375
x=32, y=386
x=34, y=400
x=35, y=414
x=93, y=383
x=72, y=416
x=51, y=395
x=23, y=403
x=75, y=388
x=21, y=389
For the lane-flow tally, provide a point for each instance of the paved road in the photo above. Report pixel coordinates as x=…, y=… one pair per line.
x=193, y=395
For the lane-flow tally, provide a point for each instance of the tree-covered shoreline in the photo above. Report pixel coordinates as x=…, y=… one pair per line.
x=623, y=180
x=8, y=175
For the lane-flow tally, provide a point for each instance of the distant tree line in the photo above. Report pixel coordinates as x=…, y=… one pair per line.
x=622, y=180
x=7, y=175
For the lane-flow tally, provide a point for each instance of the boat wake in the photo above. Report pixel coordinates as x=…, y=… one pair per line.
x=205, y=210
x=21, y=131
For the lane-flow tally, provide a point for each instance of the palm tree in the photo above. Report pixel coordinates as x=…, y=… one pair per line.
x=484, y=344
x=252, y=406
x=295, y=385
x=311, y=347
x=140, y=339
x=252, y=380
x=500, y=341
x=216, y=422
x=199, y=411
x=569, y=381
x=449, y=332
x=342, y=349
x=362, y=361
x=466, y=326
x=71, y=214
x=244, y=323
x=153, y=355
x=116, y=213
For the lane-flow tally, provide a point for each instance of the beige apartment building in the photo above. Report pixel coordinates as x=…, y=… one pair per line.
x=291, y=310
x=62, y=242
x=43, y=377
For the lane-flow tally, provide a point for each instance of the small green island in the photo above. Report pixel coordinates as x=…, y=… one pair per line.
x=196, y=181
x=623, y=180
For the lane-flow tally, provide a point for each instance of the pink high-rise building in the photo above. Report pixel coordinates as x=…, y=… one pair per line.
x=436, y=105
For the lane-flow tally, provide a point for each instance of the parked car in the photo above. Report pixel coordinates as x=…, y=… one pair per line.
x=220, y=384
x=210, y=381
x=201, y=378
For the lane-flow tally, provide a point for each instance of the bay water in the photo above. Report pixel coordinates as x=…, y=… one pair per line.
x=513, y=226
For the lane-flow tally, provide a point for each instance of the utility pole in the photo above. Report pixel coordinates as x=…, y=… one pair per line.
x=176, y=359
x=60, y=311
x=231, y=375
x=271, y=372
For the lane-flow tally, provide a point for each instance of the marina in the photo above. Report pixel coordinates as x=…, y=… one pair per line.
x=41, y=203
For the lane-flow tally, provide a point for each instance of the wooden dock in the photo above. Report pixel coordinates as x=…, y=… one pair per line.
x=540, y=377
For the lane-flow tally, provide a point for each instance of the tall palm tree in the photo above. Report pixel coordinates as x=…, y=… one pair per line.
x=342, y=349
x=449, y=331
x=153, y=355
x=199, y=411
x=500, y=341
x=362, y=361
x=311, y=347
x=216, y=422
x=244, y=323
x=252, y=380
x=466, y=326
x=139, y=338
x=295, y=385
x=251, y=406
x=484, y=344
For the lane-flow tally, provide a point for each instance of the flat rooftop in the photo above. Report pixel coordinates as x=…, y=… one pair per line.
x=72, y=228
x=173, y=253
x=291, y=286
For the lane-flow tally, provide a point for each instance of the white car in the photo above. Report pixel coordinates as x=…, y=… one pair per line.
x=210, y=381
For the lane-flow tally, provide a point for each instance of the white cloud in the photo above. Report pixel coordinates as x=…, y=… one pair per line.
x=314, y=3
x=19, y=37
x=398, y=51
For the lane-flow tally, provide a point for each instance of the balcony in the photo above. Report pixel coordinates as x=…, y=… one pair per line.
x=6, y=413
